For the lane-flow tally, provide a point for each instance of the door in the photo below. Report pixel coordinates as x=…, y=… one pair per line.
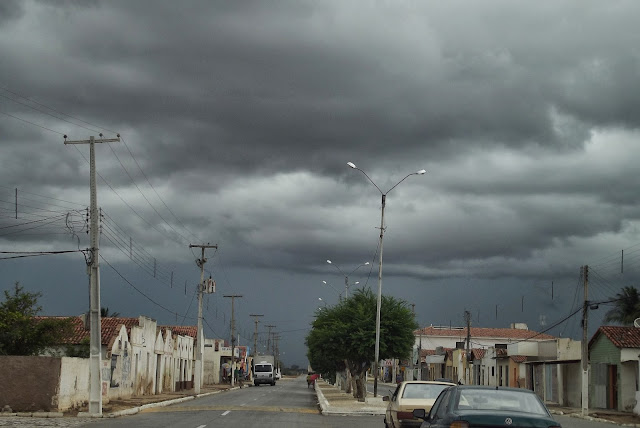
x=612, y=386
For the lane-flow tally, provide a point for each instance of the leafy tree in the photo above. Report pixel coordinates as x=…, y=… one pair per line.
x=21, y=333
x=626, y=307
x=345, y=334
x=104, y=313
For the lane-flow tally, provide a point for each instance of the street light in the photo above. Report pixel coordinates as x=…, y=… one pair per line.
x=334, y=289
x=346, y=277
x=325, y=303
x=384, y=197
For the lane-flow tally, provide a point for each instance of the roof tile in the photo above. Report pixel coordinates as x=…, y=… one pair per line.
x=482, y=332
x=622, y=337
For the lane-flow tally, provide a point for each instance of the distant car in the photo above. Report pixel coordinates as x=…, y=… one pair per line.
x=278, y=375
x=487, y=406
x=409, y=395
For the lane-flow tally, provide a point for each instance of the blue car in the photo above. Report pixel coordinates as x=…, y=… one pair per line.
x=486, y=406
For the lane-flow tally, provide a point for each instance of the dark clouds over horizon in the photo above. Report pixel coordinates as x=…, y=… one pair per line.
x=242, y=116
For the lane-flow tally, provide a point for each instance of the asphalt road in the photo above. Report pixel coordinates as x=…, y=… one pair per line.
x=287, y=404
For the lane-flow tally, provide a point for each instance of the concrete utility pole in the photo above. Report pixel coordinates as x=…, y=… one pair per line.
x=467, y=319
x=269, y=336
x=200, y=337
x=95, y=376
x=413, y=363
x=277, y=352
x=233, y=337
x=585, y=345
x=255, y=340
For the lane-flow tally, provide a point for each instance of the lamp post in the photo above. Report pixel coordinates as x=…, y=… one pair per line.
x=346, y=277
x=384, y=197
x=334, y=289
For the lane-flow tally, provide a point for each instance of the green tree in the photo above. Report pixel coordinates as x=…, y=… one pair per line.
x=626, y=307
x=21, y=333
x=345, y=334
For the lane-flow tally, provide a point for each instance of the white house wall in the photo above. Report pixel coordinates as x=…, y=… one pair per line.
x=74, y=383
x=121, y=378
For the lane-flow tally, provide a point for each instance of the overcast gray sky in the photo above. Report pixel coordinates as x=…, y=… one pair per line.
x=238, y=120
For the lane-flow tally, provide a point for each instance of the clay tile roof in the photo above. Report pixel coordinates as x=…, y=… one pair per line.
x=110, y=326
x=621, y=337
x=478, y=353
x=518, y=358
x=425, y=352
x=482, y=332
x=183, y=330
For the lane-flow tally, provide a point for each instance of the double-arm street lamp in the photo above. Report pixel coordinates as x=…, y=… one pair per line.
x=384, y=197
x=346, y=277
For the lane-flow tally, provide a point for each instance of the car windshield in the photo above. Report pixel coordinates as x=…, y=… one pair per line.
x=422, y=390
x=263, y=368
x=491, y=399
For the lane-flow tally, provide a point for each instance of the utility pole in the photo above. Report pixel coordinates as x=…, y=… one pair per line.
x=269, y=336
x=585, y=345
x=276, y=351
x=255, y=340
x=420, y=357
x=200, y=337
x=233, y=337
x=413, y=363
x=95, y=376
x=467, y=319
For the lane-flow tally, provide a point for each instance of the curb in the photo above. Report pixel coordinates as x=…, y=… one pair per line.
x=134, y=410
x=326, y=408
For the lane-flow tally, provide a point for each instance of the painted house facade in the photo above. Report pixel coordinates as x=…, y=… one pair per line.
x=614, y=354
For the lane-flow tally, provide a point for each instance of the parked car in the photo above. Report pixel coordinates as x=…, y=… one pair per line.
x=409, y=395
x=471, y=406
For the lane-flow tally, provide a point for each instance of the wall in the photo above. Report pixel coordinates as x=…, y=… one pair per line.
x=627, y=379
x=73, y=390
x=529, y=349
x=118, y=361
x=572, y=376
x=29, y=383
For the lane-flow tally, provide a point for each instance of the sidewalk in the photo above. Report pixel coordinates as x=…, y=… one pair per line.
x=602, y=415
x=334, y=401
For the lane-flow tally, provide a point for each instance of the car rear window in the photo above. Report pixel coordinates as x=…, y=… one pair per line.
x=263, y=368
x=422, y=390
x=500, y=400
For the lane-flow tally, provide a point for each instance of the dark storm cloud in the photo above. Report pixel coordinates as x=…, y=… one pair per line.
x=236, y=77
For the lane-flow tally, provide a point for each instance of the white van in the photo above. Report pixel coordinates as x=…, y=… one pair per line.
x=263, y=373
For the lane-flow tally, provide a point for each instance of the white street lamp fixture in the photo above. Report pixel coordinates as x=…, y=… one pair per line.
x=346, y=277
x=384, y=197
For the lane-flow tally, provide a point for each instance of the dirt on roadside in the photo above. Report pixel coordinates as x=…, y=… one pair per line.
x=128, y=403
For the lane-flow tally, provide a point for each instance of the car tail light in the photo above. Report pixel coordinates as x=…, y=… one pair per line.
x=459, y=424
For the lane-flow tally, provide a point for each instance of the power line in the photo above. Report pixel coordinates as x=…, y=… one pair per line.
x=140, y=291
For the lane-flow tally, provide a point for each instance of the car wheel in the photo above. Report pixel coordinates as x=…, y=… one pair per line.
x=255, y=383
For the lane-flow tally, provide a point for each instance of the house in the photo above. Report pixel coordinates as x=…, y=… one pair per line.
x=138, y=357
x=614, y=355
x=433, y=337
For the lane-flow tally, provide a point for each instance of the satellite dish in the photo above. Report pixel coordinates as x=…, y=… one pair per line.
x=636, y=322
